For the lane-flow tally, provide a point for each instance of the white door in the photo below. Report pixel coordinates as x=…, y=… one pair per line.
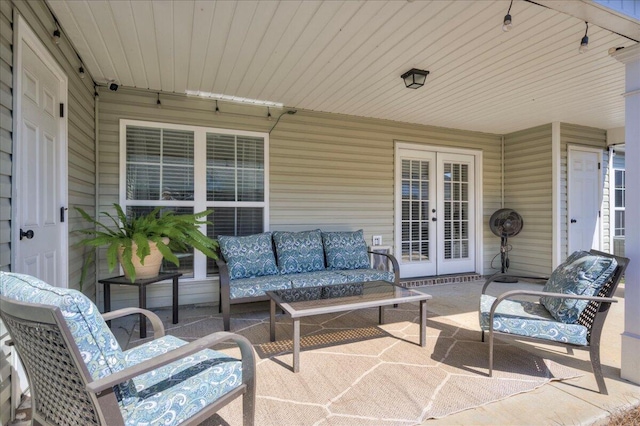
x=435, y=220
x=584, y=198
x=40, y=167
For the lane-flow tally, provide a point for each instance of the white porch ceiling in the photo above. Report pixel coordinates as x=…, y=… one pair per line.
x=347, y=57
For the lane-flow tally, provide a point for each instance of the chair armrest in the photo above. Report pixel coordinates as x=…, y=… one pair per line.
x=394, y=264
x=156, y=322
x=246, y=351
x=497, y=275
x=512, y=293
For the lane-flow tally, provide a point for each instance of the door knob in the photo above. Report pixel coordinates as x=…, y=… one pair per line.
x=28, y=235
x=573, y=221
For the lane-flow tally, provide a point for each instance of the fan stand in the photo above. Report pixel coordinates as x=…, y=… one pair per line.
x=504, y=259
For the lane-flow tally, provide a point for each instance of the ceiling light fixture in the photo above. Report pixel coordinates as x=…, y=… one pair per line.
x=81, y=71
x=158, y=103
x=584, y=43
x=507, y=23
x=56, y=36
x=414, y=78
x=217, y=109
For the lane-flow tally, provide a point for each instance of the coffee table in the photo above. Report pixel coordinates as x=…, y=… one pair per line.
x=308, y=301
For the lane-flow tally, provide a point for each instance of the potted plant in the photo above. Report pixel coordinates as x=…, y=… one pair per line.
x=144, y=240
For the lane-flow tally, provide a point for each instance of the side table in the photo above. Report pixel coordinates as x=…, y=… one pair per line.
x=142, y=294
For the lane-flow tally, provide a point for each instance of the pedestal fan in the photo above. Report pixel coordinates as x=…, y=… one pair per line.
x=505, y=223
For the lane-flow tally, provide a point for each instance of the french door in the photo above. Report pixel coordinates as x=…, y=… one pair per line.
x=435, y=205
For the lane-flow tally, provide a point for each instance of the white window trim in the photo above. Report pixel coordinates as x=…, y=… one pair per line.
x=200, y=202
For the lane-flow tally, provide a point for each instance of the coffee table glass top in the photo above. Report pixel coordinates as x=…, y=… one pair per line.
x=311, y=300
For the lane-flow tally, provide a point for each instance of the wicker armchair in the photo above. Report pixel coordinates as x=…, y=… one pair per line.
x=78, y=374
x=573, y=306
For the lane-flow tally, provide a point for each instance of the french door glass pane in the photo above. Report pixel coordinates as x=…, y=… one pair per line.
x=456, y=211
x=415, y=210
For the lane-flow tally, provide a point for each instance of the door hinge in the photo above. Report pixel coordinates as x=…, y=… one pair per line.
x=62, y=111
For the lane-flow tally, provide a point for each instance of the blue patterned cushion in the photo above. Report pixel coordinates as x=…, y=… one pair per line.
x=318, y=278
x=582, y=275
x=254, y=287
x=98, y=347
x=529, y=319
x=345, y=250
x=361, y=275
x=175, y=392
x=299, y=251
x=250, y=256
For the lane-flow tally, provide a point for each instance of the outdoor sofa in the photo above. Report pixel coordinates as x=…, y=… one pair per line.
x=249, y=266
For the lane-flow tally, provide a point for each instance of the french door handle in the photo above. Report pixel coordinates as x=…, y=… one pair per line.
x=573, y=221
x=433, y=219
x=28, y=234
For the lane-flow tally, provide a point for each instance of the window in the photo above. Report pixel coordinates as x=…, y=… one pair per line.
x=619, y=202
x=189, y=169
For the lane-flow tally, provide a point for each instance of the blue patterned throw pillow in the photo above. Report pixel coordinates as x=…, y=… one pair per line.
x=582, y=274
x=250, y=256
x=299, y=252
x=345, y=250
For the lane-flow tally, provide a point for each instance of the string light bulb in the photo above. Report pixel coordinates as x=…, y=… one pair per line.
x=158, y=103
x=507, y=23
x=584, y=43
x=81, y=71
x=217, y=109
x=269, y=114
x=56, y=36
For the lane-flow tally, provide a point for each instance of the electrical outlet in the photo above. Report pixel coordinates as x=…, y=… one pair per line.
x=377, y=240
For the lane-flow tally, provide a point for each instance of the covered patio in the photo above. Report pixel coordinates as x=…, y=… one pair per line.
x=314, y=89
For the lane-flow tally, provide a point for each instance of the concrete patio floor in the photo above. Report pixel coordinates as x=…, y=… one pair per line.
x=569, y=402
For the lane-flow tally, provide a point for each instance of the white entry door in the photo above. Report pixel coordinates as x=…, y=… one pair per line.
x=40, y=164
x=584, y=198
x=435, y=219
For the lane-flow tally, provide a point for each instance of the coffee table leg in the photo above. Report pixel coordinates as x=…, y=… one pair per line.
x=272, y=321
x=296, y=345
x=423, y=323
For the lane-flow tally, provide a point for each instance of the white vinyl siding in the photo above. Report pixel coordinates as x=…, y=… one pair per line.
x=528, y=190
x=81, y=152
x=327, y=171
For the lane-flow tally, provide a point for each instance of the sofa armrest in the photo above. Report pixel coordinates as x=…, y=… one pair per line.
x=207, y=342
x=527, y=278
x=156, y=322
x=394, y=263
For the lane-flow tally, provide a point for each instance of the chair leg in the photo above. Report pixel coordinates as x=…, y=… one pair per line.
x=490, y=353
x=482, y=340
x=594, y=352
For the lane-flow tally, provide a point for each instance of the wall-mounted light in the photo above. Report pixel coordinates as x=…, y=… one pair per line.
x=56, y=36
x=158, y=103
x=584, y=43
x=81, y=71
x=507, y=22
x=414, y=78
